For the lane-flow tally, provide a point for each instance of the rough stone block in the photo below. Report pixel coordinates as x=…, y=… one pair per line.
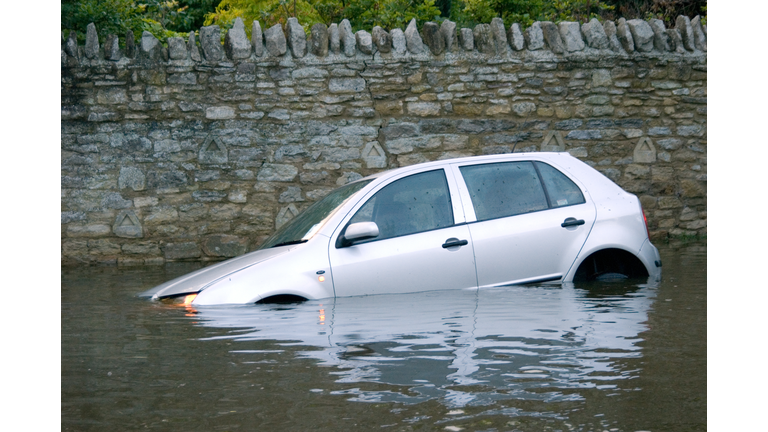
x=223, y=245
x=236, y=43
x=699, y=36
x=552, y=37
x=594, y=34
x=127, y=225
x=178, y=251
x=112, y=48
x=194, y=51
x=257, y=39
x=499, y=34
x=334, y=38
x=346, y=85
x=413, y=39
x=683, y=25
x=448, y=32
x=91, y=42
x=467, y=39
x=275, y=41
x=570, y=33
x=660, y=37
x=484, y=39
x=534, y=37
x=515, y=37
x=642, y=34
x=612, y=34
x=210, y=42
x=347, y=38
x=382, y=39
x=277, y=172
x=432, y=38
x=213, y=151
x=177, y=48
x=150, y=47
x=318, y=40
x=296, y=38
x=625, y=36
x=645, y=151
x=365, y=42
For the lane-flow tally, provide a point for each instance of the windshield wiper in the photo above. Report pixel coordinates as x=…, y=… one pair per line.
x=292, y=242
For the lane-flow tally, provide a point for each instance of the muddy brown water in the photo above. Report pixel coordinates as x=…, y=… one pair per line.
x=612, y=356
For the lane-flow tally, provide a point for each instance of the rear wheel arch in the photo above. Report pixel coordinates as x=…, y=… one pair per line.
x=610, y=261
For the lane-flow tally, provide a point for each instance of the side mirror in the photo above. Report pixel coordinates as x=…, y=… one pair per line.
x=358, y=231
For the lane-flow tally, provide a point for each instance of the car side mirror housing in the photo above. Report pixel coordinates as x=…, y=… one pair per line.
x=357, y=231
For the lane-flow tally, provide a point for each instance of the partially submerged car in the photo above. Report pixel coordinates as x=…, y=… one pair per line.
x=472, y=222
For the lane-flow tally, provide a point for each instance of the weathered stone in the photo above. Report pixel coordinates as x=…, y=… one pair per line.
x=91, y=42
x=210, y=42
x=660, y=37
x=236, y=43
x=277, y=172
x=347, y=38
x=318, y=40
x=625, y=36
x=675, y=41
x=552, y=37
x=642, y=34
x=346, y=85
x=382, y=39
x=683, y=25
x=499, y=36
x=594, y=34
x=150, y=47
x=432, y=38
x=275, y=41
x=178, y=251
x=413, y=38
x=448, y=32
x=399, y=45
x=219, y=112
x=601, y=78
x=467, y=39
x=112, y=48
x=699, y=37
x=515, y=37
x=645, y=151
x=223, y=245
x=612, y=34
x=570, y=34
x=115, y=201
x=213, y=151
x=194, y=51
x=534, y=37
x=524, y=109
x=334, y=38
x=127, y=225
x=484, y=39
x=257, y=39
x=553, y=142
x=364, y=42
x=70, y=46
x=296, y=38
x=177, y=48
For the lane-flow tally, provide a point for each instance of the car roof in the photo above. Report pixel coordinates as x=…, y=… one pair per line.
x=547, y=156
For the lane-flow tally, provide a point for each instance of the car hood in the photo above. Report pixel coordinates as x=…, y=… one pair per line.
x=198, y=280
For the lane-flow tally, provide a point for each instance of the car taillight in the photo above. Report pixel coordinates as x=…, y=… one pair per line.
x=645, y=220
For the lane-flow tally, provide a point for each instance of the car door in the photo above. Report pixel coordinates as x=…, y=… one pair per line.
x=422, y=245
x=528, y=220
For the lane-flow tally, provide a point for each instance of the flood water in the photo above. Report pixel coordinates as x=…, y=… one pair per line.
x=611, y=356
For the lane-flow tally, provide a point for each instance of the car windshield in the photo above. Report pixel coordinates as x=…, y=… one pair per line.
x=309, y=222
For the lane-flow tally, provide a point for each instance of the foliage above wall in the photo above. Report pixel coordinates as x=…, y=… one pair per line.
x=171, y=18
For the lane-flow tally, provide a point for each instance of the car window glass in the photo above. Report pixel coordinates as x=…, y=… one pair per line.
x=562, y=191
x=420, y=202
x=504, y=189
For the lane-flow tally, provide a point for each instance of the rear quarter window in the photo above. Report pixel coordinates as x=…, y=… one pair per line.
x=562, y=191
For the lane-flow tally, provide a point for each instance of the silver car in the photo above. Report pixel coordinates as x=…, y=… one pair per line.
x=485, y=221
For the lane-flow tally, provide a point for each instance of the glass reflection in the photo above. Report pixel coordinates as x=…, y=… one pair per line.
x=471, y=347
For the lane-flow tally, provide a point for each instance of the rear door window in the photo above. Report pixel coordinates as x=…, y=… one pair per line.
x=504, y=189
x=561, y=190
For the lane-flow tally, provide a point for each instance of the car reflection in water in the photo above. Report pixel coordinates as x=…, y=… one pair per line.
x=524, y=342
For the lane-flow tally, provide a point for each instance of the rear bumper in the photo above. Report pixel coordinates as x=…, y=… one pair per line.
x=649, y=255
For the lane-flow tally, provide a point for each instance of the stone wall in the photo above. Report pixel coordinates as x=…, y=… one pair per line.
x=197, y=151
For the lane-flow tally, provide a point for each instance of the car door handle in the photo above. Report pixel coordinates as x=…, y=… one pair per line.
x=453, y=242
x=568, y=222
